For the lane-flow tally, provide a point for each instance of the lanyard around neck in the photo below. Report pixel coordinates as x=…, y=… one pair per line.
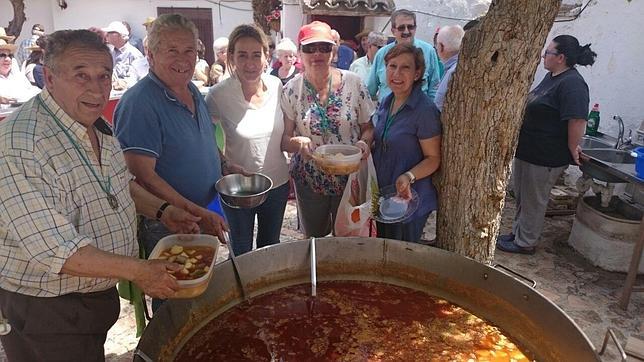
x=106, y=184
x=325, y=122
x=390, y=118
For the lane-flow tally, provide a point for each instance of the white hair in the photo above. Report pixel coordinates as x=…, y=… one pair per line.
x=286, y=45
x=219, y=44
x=450, y=36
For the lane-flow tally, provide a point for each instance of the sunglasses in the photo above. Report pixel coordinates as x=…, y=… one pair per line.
x=409, y=27
x=317, y=47
x=5, y=55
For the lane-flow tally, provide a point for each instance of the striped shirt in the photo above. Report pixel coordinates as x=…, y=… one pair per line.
x=51, y=204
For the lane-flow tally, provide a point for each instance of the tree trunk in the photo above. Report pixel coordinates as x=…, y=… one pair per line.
x=15, y=25
x=481, y=121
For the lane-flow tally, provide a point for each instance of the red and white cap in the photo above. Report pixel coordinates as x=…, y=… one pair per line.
x=315, y=32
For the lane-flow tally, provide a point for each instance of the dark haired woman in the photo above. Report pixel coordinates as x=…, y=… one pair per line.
x=407, y=140
x=553, y=124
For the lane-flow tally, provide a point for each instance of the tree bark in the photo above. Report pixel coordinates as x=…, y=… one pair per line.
x=481, y=121
x=261, y=8
x=15, y=25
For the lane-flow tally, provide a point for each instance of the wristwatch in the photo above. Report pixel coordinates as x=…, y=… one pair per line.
x=411, y=176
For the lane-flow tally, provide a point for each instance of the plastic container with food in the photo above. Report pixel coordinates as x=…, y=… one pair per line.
x=197, y=253
x=338, y=159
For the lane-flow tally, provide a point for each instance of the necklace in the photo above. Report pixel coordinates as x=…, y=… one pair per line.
x=106, y=185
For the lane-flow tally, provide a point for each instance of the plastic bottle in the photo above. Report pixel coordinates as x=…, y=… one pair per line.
x=593, y=121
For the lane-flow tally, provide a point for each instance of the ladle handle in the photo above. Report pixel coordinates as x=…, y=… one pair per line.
x=233, y=258
x=141, y=356
x=610, y=333
x=314, y=279
x=503, y=267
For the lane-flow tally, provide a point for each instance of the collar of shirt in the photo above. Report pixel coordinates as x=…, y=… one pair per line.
x=168, y=92
x=411, y=101
x=449, y=63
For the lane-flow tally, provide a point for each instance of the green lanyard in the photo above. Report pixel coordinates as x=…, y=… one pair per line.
x=105, y=186
x=325, y=122
x=389, y=121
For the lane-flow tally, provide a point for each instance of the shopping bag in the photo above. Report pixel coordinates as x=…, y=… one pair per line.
x=354, y=212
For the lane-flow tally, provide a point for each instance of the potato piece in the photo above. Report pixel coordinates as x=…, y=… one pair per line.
x=193, y=260
x=176, y=249
x=190, y=252
x=163, y=257
x=172, y=259
x=181, y=259
x=185, y=271
x=206, y=268
x=199, y=257
x=188, y=265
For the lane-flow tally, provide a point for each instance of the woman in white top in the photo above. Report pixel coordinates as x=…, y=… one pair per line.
x=247, y=106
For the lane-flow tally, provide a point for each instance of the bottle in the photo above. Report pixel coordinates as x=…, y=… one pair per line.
x=593, y=121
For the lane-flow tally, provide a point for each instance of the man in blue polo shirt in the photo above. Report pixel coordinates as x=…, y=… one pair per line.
x=165, y=131
x=403, y=27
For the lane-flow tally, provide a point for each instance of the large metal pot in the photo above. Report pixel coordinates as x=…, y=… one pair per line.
x=520, y=310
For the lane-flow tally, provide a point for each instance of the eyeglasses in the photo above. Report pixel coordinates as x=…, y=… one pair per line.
x=317, y=47
x=549, y=52
x=5, y=55
x=409, y=27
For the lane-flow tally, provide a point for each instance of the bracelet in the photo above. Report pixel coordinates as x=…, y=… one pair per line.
x=161, y=209
x=411, y=176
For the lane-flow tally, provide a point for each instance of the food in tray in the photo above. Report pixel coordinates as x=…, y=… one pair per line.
x=195, y=260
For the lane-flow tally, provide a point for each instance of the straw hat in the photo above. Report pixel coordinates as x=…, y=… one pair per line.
x=362, y=34
x=6, y=46
x=5, y=37
x=149, y=20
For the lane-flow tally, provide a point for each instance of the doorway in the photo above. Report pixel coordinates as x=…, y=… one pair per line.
x=347, y=26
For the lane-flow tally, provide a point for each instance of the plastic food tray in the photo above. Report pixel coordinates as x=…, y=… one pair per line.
x=338, y=159
x=194, y=287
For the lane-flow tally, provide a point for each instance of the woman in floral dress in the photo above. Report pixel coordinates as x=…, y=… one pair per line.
x=322, y=105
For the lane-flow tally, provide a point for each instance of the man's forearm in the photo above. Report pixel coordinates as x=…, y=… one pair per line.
x=146, y=203
x=89, y=261
x=161, y=189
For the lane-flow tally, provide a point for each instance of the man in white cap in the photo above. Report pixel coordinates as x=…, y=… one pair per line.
x=123, y=53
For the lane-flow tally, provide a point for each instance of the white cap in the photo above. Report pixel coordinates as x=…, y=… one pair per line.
x=117, y=27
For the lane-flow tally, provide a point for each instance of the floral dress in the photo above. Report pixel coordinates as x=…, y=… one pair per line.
x=337, y=123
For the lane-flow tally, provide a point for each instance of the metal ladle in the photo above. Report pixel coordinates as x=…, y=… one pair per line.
x=314, y=278
x=233, y=258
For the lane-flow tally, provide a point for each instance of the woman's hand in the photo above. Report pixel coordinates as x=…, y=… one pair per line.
x=576, y=154
x=403, y=186
x=305, y=146
x=364, y=147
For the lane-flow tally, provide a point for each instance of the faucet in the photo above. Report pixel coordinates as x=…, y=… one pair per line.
x=620, y=134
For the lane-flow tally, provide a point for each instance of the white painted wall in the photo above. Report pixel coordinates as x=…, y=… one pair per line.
x=87, y=13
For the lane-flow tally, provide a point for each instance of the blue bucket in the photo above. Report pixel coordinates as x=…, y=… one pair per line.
x=638, y=153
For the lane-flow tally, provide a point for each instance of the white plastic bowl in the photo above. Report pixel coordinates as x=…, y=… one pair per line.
x=338, y=159
x=194, y=287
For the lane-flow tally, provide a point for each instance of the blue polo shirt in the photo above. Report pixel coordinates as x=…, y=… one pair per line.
x=377, y=79
x=418, y=119
x=150, y=120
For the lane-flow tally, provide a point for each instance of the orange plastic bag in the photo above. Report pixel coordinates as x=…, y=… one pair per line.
x=354, y=211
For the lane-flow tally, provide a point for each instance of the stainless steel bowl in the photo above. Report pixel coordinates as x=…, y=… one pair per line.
x=244, y=192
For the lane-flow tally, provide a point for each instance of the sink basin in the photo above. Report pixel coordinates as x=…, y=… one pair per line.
x=588, y=142
x=610, y=155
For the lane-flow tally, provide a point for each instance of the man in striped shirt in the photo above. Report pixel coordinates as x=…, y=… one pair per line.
x=68, y=212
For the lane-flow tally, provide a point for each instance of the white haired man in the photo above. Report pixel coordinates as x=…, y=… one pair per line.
x=362, y=65
x=123, y=53
x=448, y=45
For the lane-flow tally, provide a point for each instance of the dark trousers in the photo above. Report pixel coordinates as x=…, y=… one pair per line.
x=270, y=215
x=409, y=231
x=70, y=327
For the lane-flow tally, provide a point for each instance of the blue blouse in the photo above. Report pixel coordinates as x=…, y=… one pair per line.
x=418, y=119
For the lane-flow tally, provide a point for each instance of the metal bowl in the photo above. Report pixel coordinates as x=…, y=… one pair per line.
x=244, y=192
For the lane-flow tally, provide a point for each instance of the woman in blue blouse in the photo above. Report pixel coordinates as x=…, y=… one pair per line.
x=407, y=140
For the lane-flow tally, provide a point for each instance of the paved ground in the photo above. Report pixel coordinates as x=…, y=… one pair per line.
x=587, y=294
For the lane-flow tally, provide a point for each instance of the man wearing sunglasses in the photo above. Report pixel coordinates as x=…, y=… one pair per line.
x=14, y=86
x=403, y=27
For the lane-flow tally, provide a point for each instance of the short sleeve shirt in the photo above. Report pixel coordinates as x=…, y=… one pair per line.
x=150, y=120
x=348, y=107
x=398, y=152
x=543, y=139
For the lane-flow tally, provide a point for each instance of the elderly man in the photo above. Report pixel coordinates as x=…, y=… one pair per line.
x=448, y=44
x=123, y=53
x=68, y=212
x=403, y=27
x=362, y=65
x=165, y=129
x=14, y=85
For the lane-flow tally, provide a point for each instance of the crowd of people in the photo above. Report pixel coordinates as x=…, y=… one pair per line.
x=71, y=186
